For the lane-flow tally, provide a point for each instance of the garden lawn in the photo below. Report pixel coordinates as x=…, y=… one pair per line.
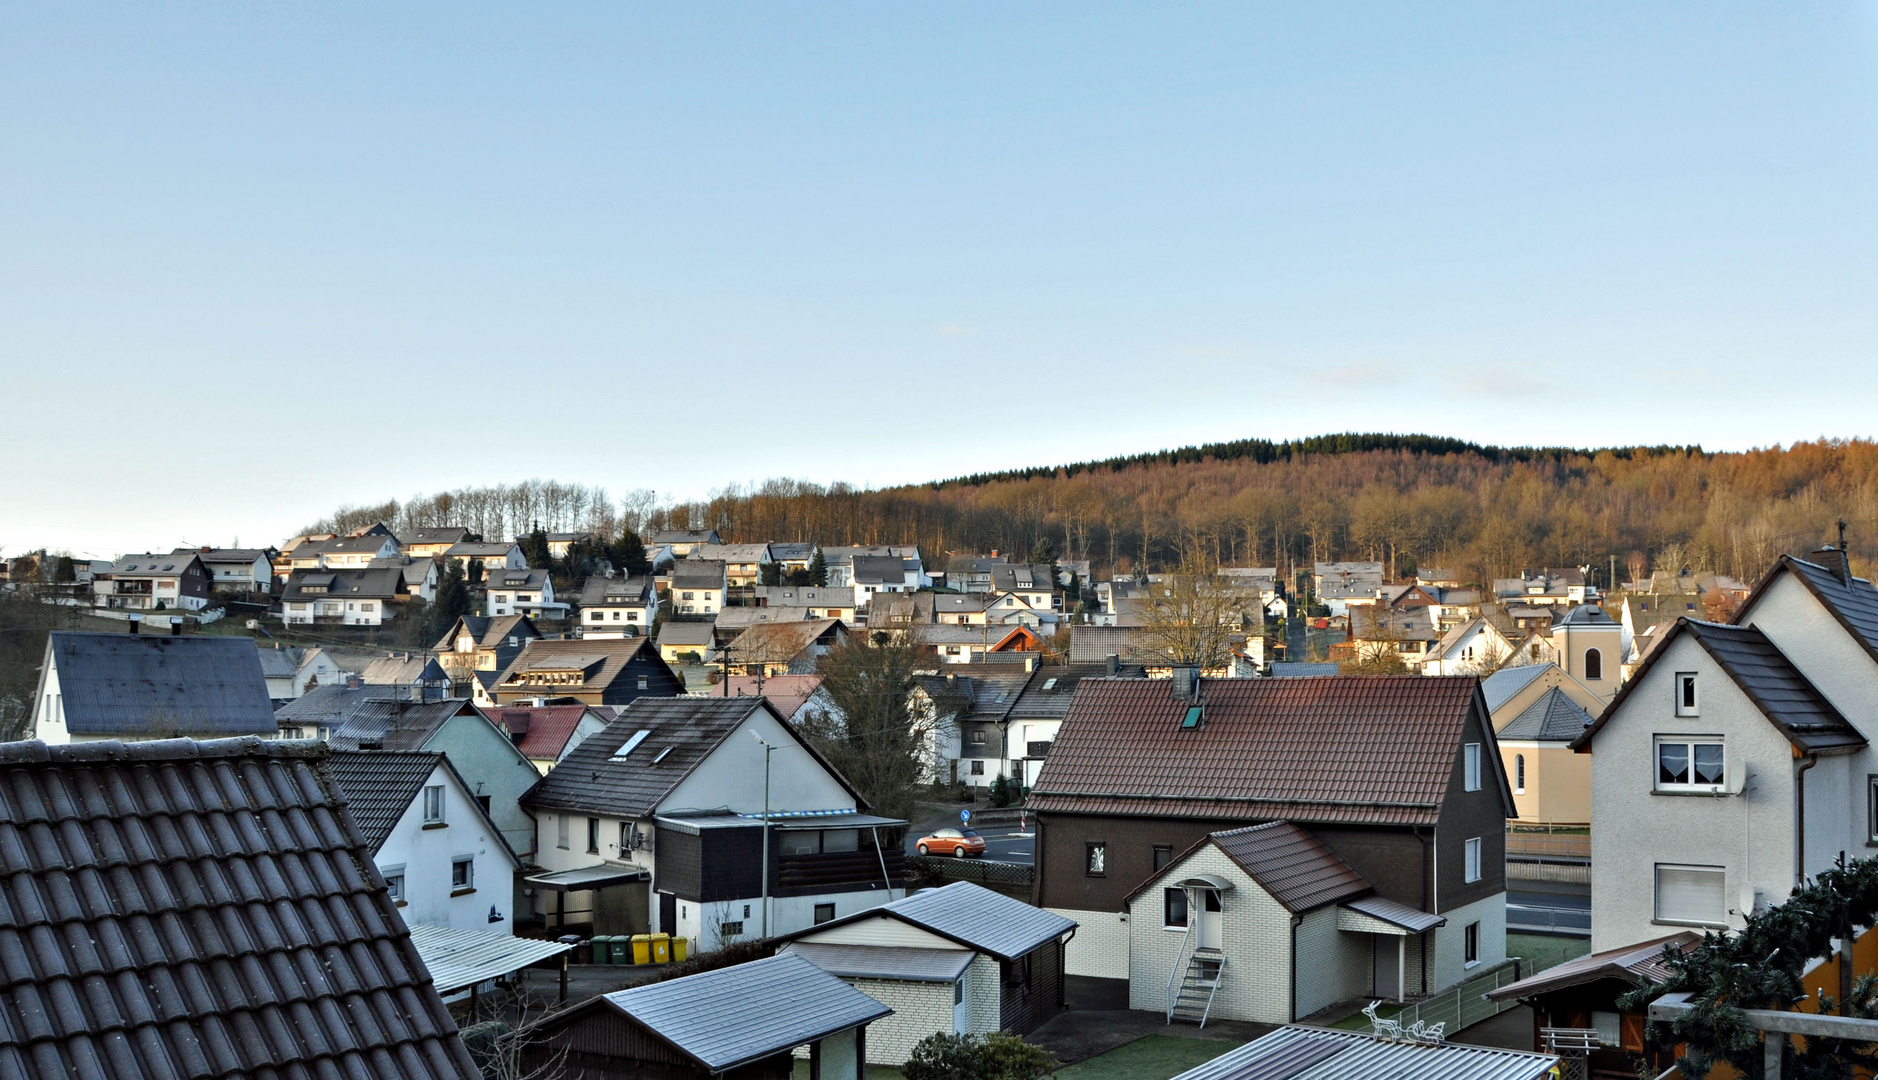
x=1153, y=1057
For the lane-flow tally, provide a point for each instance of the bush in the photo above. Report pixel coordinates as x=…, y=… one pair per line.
x=1001, y=791
x=1002, y=1056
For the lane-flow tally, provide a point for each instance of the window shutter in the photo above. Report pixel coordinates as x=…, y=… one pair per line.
x=1691, y=894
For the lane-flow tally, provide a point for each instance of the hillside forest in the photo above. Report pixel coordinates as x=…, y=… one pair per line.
x=1407, y=501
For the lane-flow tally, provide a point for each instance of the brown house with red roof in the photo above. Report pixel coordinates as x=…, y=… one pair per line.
x=545, y=733
x=1397, y=778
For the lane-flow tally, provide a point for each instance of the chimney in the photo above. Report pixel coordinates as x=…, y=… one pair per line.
x=136, y=621
x=994, y=553
x=176, y=625
x=353, y=682
x=1114, y=664
x=1834, y=560
x=1186, y=680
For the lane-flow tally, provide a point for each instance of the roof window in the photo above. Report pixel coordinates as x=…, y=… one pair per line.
x=661, y=755
x=637, y=738
x=1192, y=720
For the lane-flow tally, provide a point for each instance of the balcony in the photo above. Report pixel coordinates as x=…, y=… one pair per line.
x=836, y=871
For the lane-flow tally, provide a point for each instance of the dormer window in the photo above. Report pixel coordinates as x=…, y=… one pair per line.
x=1685, y=694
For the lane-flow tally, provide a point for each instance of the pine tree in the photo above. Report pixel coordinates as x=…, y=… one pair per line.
x=818, y=569
x=452, y=602
x=629, y=554
x=535, y=548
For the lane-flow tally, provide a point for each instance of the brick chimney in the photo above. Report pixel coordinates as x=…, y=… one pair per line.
x=1834, y=560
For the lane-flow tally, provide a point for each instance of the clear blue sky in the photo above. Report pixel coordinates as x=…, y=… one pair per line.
x=260, y=259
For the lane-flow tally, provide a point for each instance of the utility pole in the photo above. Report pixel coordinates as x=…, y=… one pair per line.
x=768, y=749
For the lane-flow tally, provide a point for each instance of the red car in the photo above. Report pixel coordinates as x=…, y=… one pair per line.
x=957, y=843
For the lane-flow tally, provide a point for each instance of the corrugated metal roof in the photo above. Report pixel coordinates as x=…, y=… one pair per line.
x=380, y=785
x=884, y=961
x=205, y=909
x=148, y=684
x=973, y=915
x=460, y=958
x=1359, y=749
x=583, y=878
x=1295, y=1052
x=737, y=1014
x=1408, y=918
x=1302, y=669
x=1552, y=718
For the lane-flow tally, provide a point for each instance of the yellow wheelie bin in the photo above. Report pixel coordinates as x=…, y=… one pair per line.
x=642, y=948
x=679, y=946
x=661, y=948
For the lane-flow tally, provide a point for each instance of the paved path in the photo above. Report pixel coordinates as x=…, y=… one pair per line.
x=1098, y=1020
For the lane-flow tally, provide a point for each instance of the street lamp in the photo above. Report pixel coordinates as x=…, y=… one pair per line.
x=768, y=749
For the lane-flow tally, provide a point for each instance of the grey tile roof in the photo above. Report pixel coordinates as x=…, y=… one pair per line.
x=1093, y=644
x=1302, y=669
x=680, y=634
x=879, y=569
x=138, y=684
x=698, y=574
x=1586, y=615
x=489, y=632
x=1047, y=694
x=380, y=785
x=1501, y=686
x=381, y=715
x=684, y=536
x=1786, y=697
x=346, y=583
x=602, y=661
x=778, y=1003
x=278, y=663
x=449, y=534
x=1854, y=602
x=589, y=778
x=523, y=578
x=201, y=909
x=805, y=596
x=1552, y=718
x=974, y=915
x=884, y=961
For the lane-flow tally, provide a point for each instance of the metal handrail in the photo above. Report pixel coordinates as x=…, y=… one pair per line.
x=1181, y=956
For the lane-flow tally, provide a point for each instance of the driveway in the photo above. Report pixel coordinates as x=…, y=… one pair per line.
x=1098, y=1020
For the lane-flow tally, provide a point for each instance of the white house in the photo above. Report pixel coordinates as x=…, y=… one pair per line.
x=698, y=586
x=348, y=552
x=618, y=607
x=1735, y=762
x=353, y=597
x=743, y=563
x=292, y=671
x=493, y=556
x=134, y=687
x=234, y=569
x=630, y=819
x=177, y=582
x=522, y=591
x=1475, y=647
x=443, y=860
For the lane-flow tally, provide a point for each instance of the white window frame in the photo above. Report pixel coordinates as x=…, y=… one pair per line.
x=1470, y=766
x=468, y=863
x=433, y=804
x=1689, y=743
x=561, y=828
x=1687, y=694
x=1719, y=872
x=1471, y=871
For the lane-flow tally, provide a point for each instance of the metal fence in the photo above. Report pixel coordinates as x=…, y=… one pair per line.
x=1466, y=1004
x=982, y=871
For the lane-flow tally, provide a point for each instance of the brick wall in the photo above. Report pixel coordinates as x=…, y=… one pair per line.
x=1255, y=932
x=984, y=995
x=919, y=1010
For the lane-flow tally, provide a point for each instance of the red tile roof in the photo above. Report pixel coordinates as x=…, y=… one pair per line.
x=1359, y=749
x=544, y=729
x=787, y=692
x=1291, y=864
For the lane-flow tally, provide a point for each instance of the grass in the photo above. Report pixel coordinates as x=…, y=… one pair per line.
x=1152, y=1057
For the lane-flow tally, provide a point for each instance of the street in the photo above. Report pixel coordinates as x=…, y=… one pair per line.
x=1004, y=841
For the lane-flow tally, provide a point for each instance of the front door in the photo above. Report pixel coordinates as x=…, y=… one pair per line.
x=960, y=1018
x=668, y=913
x=1209, y=919
x=1388, y=958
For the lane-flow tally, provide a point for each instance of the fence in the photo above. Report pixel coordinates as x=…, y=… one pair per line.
x=1009, y=876
x=1543, y=842
x=1466, y=1004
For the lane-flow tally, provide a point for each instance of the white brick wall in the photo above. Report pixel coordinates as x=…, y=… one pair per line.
x=919, y=1009
x=984, y=1000
x=1333, y=965
x=1451, y=946
x=1255, y=933
x=1100, y=948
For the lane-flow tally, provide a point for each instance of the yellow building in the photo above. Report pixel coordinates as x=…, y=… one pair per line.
x=1537, y=710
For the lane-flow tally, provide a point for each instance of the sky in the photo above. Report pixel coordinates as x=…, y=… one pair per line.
x=259, y=260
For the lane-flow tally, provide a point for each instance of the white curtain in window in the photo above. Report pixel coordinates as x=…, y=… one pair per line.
x=1691, y=894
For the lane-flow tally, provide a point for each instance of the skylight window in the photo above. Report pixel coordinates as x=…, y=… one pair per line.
x=661, y=755
x=637, y=738
x=1049, y=684
x=1192, y=719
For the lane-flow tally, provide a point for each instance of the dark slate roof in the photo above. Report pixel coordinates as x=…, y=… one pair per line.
x=1094, y=644
x=380, y=785
x=1786, y=697
x=1500, y=687
x=601, y=661
x=777, y=1003
x=589, y=778
x=1586, y=615
x=346, y=583
x=201, y=909
x=883, y=569
x=1854, y=602
x=383, y=715
x=136, y=684
x=1358, y=749
x=490, y=631
x=1294, y=866
x=1552, y=718
x=1047, y=695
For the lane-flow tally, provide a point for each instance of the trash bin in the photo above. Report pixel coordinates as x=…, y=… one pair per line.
x=678, y=949
x=661, y=948
x=606, y=949
x=642, y=948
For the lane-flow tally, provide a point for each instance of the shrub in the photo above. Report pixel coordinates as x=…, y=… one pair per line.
x=1001, y=791
x=1002, y=1056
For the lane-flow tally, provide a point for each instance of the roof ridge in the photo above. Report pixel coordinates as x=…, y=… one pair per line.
x=35, y=751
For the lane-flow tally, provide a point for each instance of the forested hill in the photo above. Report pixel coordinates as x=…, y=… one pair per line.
x=1411, y=500
x=1264, y=452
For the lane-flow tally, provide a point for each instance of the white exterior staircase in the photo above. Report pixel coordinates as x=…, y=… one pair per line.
x=1191, y=1001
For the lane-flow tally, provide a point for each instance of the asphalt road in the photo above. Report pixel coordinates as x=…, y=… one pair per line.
x=1003, y=841
x=1563, y=909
